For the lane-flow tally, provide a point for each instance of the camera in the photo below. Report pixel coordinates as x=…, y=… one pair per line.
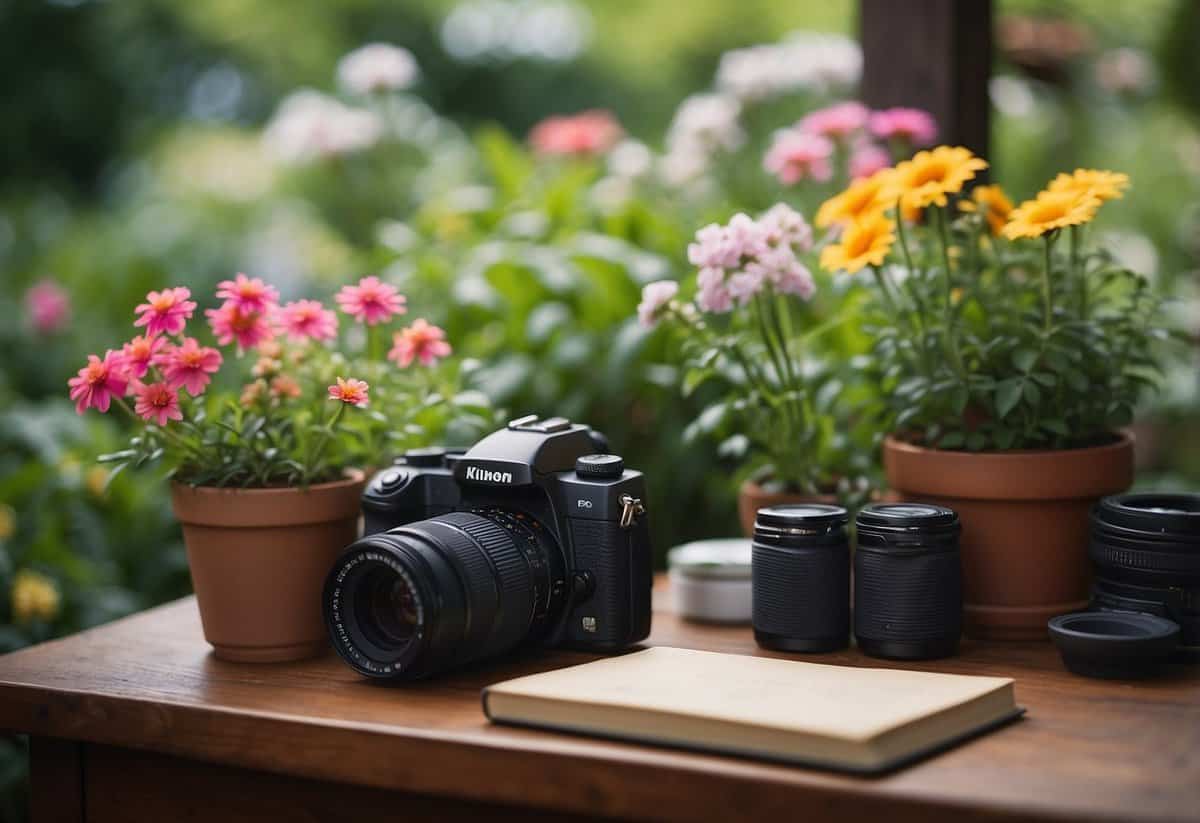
x=534, y=536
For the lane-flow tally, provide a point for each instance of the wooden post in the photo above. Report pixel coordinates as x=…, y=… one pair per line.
x=935, y=55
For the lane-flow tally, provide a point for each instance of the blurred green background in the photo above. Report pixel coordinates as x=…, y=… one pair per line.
x=133, y=158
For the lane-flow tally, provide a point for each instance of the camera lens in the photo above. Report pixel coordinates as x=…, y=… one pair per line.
x=907, y=581
x=1146, y=551
x=442, y=592
x=800, y=578
x=389, y=608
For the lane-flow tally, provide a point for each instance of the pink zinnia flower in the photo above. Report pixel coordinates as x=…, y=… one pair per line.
x=868, y=158
x=158, y=402
x=655, y=296
x=249, y=295
x=371, y=301
x=420, y=341
x=797, y=155
x=838, y=121
x=165, y=311
x=137, y=355
x=349, y=391
x=590, y=132
x=48, y=305
x=98, y=382
x=308, y=319
x=914, y=126
x=230, y=323
x=189, y=365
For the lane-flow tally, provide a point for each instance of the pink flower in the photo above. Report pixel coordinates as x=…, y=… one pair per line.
x=249, y=295
x=230, y=323
x=48, y=305
x=784, y=272
x=349, y=391
x=420, y=341
x=798, y=155
x=137, y=355
x=189, y=365
x=165, y=311
x=158, y=402
x=587, y=133
x=713, y=295
x=914, y=126
x=744, y=285
x=371, y=301
x=867, y=158
x=837, y=122
x=98, y=382
x=783, y=224
x=308, y=319
x=655, y=296
x=724, y=247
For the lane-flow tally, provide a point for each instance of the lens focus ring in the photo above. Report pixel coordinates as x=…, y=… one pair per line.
x=494, y=564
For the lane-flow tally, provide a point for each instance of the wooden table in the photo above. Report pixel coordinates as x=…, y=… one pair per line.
x=136, y=721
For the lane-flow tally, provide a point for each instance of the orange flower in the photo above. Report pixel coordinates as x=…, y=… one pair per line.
x=993, y=202
x=352, y=392
x=930, y=176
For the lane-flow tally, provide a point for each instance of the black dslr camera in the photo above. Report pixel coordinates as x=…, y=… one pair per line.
x=533, y=536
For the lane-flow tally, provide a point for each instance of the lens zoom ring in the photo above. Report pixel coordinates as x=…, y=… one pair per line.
x=1165, y=560
x=512, y=574
x=476, y=576
x=801, y=593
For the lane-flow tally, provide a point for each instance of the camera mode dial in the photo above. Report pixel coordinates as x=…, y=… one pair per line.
x=600, y=466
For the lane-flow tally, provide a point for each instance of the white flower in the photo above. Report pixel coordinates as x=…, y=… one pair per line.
x=308, y=125
x=630, y=159
x=707, y=120
x=804, y=61
x=377, y=67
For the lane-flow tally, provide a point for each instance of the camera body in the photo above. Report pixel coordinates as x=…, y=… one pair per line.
x=549, y=484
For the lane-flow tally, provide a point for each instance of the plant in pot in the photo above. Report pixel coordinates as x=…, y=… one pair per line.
x=775, y=403
x=1011, y=354
x=265, y=450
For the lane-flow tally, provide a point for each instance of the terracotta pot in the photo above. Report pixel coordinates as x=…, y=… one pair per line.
x=1025, y=524
x=752, y=497
x=258, y=559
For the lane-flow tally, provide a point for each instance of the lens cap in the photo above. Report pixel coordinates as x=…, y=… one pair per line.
x=1153, y=513
x=907, y=516
x=1113, y=644
x=802, y=516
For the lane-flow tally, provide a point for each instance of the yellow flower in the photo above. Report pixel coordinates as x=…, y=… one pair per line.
x=994, y=202
x=34, y=597
x=929, y=176
x=1101, y=184
x=859, y=200
x=1048, y=211
x=865, y=242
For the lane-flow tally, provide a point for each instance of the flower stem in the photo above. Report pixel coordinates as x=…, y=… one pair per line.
x=326, y=435
x=1046, y=308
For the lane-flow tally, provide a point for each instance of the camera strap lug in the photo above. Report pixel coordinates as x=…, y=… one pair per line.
x=631, y=508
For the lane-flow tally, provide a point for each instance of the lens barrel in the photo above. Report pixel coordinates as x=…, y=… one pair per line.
x=1146, y=552
x=441, y=593
x=800, y=577
x=907, y=581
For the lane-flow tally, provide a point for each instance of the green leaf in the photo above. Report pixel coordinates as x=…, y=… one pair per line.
x=1024, y=359
x=1031, y=391
x=1008, y=394
x=952, y=440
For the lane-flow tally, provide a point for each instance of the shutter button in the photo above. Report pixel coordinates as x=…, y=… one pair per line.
x=392, y=479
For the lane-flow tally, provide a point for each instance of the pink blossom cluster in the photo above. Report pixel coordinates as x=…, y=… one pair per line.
x=746, y=257
x=161, y=362
x=807, y=149
x=586, y=134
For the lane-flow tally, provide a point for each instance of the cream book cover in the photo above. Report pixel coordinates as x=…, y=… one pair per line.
x=842, y=717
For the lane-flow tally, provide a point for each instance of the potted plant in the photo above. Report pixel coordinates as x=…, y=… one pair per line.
x=775, y=402
x=264, y=451
x=1011, y=354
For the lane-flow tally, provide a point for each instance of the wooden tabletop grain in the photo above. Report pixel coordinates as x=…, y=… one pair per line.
x=1087, y=750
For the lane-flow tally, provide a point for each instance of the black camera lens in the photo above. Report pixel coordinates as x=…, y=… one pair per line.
x=442, y=593
x=907, y=581
x=800, y=578
x=1146, y=553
